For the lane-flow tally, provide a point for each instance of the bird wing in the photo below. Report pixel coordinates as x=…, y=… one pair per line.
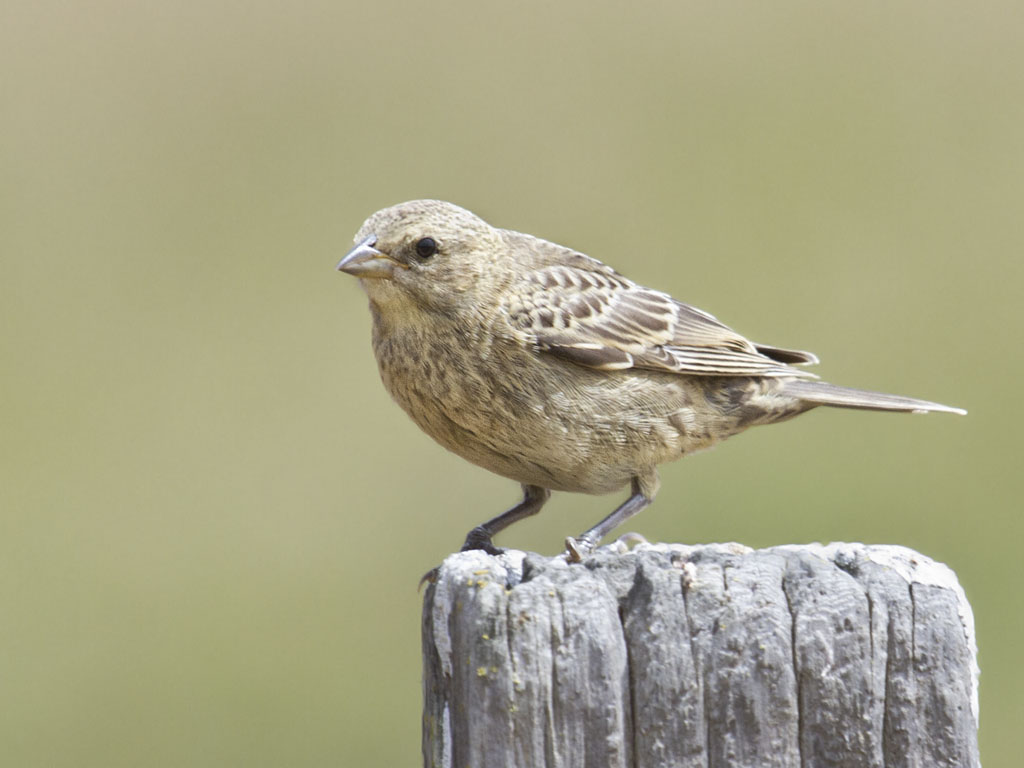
x=588, y=314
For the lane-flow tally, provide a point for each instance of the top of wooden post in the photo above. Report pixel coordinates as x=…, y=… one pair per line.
x=839, y=654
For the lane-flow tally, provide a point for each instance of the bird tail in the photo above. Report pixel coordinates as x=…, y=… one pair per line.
x=822, y=393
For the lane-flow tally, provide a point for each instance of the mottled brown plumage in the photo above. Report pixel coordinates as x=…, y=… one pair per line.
x=548, y=367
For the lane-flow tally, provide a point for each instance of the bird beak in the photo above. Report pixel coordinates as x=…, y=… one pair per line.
x=366, y=261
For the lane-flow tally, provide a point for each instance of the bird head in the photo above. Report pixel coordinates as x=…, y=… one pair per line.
x=424, y=254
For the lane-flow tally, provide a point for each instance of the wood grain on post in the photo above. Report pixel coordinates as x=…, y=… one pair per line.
x=668, y=655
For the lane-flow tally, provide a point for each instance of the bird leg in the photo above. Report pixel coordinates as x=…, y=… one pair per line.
x=584, y=544
x=480, y=537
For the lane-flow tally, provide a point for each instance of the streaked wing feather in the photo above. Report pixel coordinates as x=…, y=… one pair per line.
x=788, y=356
x=596, y=318
x=600, y=357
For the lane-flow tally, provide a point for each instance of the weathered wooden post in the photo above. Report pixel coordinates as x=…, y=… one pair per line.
x=719, y=655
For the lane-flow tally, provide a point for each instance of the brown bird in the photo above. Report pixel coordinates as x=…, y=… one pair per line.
x=548, y=367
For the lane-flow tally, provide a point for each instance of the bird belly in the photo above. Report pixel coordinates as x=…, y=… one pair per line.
x=540, y=421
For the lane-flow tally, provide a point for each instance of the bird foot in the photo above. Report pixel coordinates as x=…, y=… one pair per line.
x=479, y=538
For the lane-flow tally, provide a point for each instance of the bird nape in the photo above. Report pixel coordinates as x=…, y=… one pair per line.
x=550, y=368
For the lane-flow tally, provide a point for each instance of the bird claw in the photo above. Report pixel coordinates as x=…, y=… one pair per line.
x=430, y=577
x=577, y=549
x=629, y=540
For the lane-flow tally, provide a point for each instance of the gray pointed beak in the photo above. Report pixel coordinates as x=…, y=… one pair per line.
x=366, y=261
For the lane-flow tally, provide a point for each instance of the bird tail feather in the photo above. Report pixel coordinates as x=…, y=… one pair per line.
x=822, y=393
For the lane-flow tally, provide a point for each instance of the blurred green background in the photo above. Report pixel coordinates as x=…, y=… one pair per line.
x=212, y=518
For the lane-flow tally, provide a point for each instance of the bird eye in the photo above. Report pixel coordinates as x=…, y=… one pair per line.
x=426, y=248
